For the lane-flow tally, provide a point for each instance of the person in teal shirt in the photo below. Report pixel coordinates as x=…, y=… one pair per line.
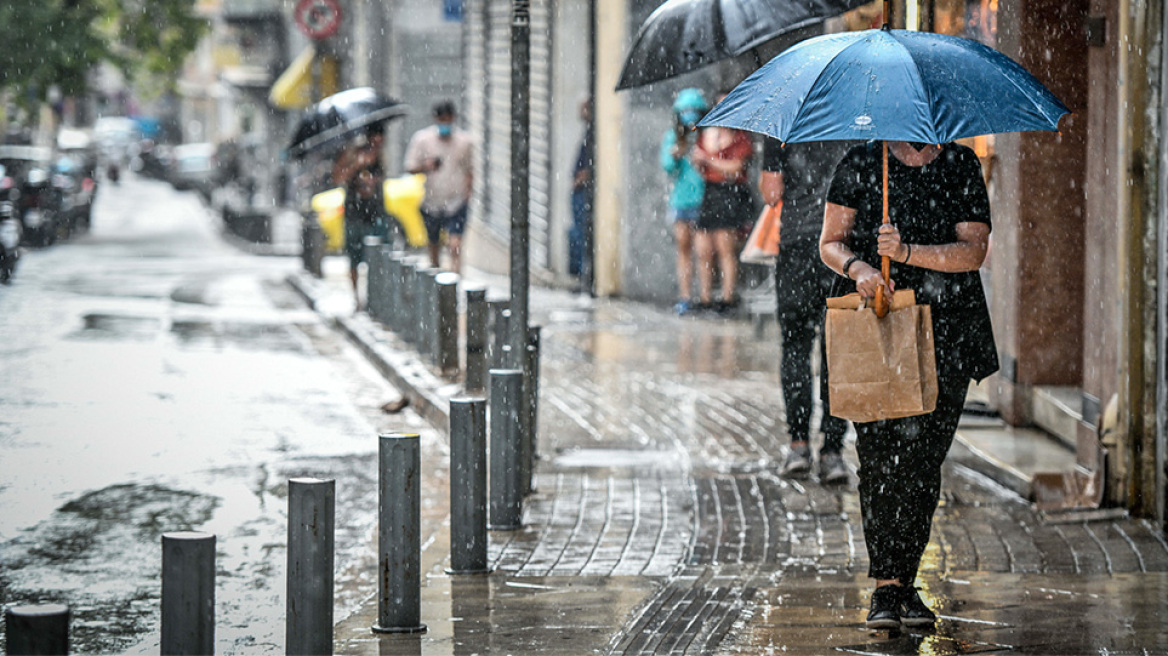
x=685, y=198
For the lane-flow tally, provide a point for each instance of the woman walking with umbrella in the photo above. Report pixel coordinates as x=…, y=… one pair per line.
x=937, y=242
x=916, y=203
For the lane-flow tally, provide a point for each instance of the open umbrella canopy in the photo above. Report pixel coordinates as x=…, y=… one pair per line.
x=340, y=116
x=891, y=85
x=685, y=35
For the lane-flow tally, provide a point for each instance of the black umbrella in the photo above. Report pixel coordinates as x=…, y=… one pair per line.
x=331, y=121
x=685, y=35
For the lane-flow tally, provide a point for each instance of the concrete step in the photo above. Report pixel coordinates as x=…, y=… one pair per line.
x=1010, y=456
x=1058, y=411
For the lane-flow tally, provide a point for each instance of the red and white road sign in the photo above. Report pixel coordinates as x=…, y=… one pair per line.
x=318, y=19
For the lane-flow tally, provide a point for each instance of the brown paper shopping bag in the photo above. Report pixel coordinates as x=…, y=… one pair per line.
x=880, y=368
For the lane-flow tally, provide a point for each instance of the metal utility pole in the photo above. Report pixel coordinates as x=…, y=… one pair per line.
x=520, y=125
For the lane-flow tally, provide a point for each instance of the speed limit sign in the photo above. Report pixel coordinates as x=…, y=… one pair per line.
x=318, y=19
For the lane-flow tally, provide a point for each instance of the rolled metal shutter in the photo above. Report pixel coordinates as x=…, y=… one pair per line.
x=489, y=117
x=498, y=126
x=541, y=132
x=477, y=90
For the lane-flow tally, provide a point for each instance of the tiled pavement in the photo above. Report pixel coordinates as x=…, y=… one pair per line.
x=659, y=438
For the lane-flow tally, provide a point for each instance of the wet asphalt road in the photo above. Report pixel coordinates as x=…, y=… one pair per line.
x=154, y=378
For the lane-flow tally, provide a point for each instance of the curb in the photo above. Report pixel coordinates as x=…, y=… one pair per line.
x=428, y=394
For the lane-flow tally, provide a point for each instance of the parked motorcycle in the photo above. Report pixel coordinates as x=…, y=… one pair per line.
x=38, y=208
x=10, y=232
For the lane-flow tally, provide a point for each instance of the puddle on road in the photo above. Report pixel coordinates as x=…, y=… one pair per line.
x=99, y=555
x=193, y=294
x=117, y=327
x=191, y=333
x=618, y=459
x=251, y=336
x=923, y=645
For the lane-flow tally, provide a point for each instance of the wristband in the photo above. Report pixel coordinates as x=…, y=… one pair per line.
x=847, y=265
x=908, y=254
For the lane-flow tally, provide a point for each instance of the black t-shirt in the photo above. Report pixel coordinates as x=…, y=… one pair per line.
x=925, y=203
x=807, y=169
x=365, y=210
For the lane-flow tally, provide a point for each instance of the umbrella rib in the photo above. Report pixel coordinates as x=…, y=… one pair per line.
x=930, y=101
x=818, y=76
x=1034, y=102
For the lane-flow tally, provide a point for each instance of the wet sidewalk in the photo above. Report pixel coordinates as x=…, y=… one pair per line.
x=659, y=524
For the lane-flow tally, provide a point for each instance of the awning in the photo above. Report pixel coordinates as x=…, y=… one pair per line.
x=293, y=89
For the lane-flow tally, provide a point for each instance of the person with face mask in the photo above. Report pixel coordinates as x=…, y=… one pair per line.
x=445, y=154
x=685, y=196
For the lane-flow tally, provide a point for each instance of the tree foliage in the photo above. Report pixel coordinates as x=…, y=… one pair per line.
x=58, y=42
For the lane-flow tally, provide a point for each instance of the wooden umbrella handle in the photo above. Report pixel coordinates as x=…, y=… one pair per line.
x=885, y=264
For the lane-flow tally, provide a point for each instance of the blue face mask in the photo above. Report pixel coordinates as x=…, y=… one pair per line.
x=690, y=117
x=445, y=129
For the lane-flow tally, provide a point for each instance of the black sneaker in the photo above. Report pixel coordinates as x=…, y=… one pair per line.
x=798, y=462
x=832, y=470
x=913, y=612
x=884, y=613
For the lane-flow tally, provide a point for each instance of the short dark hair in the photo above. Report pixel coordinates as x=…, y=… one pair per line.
x=444, y=108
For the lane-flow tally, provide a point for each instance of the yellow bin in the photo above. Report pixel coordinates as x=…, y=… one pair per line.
x=403, y=201
x=330, y=214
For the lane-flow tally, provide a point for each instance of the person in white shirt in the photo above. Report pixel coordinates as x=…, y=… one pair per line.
x=445, y=154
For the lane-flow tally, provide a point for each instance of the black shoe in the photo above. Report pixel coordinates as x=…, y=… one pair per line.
x=913, y=612
x=798, y=462
x=884, y=613
x=726, y=307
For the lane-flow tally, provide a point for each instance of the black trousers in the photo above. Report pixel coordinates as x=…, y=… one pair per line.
x=802, y=282
x=900, y=481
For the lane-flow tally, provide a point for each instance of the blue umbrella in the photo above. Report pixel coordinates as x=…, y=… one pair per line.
x=892, y=85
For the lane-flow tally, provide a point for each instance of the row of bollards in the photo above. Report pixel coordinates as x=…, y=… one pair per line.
x=420, y=305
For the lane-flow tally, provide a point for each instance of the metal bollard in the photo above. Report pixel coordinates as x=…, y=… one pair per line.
x=399, y=600
x=409, y=288
x=476, y=340
x=500, y=318
x=369, y=248
x=447, y=329
x=379, y=303
x=311, y=529
x=36, y=629
x=312, y=244
x=395, y=309
x=506, y=503
x=468, y=485
x=188, y=593
x=432, y=312
x=530, y=408
x=423, y=318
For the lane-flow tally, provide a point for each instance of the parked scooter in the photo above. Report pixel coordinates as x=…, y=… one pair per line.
x=10, y=231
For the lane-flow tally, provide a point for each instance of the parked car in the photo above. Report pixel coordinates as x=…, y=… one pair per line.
x=193, y=167
x=39, y=202
x=75, y=187
x=78, y=160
